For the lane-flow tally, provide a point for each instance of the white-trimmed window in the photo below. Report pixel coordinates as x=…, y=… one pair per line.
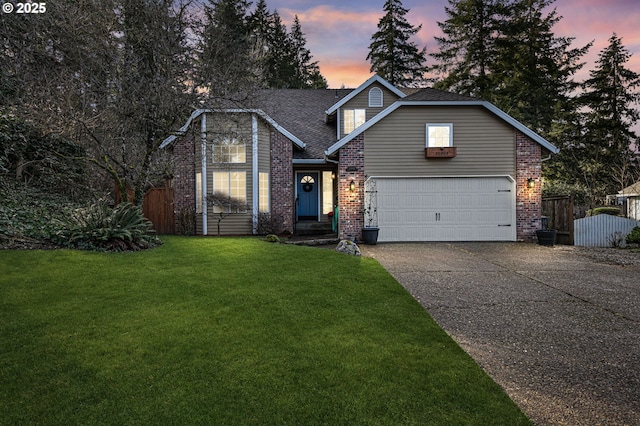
x=229, y=192
x=375, y=97
x=439, y=135
x=353, y=118
x=264, y=206
x=327, y=191
x=198, y=192
x=229, y=149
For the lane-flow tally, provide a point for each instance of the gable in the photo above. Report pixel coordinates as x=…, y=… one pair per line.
x=501, y=115
x=363, y=87
x=485, y=144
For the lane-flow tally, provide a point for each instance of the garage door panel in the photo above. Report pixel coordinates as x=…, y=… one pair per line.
x=446, y=209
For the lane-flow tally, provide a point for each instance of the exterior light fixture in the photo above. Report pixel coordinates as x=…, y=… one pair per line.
x=352, y=186
x=531, y=183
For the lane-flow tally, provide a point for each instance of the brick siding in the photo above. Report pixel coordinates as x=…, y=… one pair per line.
x=282, y=180
x=528, y=200
x=351, y=204
x=184, y=184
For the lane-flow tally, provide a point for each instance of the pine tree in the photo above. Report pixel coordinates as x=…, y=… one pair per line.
x=391, y=53
x=287, y=62
x=534, y=69
x=307, y=72
x=229, y=63
x=611, y=96
x=504, y=51
x=467, y=50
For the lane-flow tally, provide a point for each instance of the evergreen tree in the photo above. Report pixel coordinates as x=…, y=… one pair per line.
x=228, y=63
x=611, y=96
x=467, y=50
x=534, y=69
x=597, y=151
x=286, y=63
x=280, y=69
x=504, y=51
x=307, y=72
x=391, y=53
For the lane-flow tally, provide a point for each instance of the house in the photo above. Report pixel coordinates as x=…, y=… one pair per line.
x=632, y=196
x=422, y=165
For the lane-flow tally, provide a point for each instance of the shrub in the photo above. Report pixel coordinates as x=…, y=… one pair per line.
x=28, y=215
x=634, y=236
x=271, y=238
x=269, y=223
x=613, y=211
x=100, y=227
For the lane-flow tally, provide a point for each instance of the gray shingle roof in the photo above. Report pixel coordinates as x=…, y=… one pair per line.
x=302, y=112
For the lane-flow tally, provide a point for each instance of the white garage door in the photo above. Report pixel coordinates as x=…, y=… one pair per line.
x=446, y=209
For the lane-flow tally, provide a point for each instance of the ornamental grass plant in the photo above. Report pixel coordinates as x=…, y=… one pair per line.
x=231, y=331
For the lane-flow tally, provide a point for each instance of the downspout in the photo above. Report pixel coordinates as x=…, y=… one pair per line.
x=203, y=142
x=255, y=172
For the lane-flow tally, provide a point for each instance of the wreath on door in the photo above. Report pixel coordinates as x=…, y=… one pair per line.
x=307, y=183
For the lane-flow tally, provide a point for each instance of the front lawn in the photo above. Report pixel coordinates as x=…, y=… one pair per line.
x=227, y=331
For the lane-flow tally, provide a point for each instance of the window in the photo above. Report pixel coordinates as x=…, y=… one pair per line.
x=264, y=193
x=198, y=192
x=439, y=135
x=327, y=191
x=352, y=119
x=375, y=97
x=229, y=192
x=229, y=149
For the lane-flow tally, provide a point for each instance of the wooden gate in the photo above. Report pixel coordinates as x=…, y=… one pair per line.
x=559, y=213
x=157, y=206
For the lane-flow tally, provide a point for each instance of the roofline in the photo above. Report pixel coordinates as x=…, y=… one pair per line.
x=183, y=130
x=370, y=80
x=488, y=105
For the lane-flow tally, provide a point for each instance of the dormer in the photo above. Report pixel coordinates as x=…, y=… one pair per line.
x=361, y=105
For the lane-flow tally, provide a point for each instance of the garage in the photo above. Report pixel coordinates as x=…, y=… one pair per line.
x=445, y=208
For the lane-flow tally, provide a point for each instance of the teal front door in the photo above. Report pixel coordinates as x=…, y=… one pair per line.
x=307, y=187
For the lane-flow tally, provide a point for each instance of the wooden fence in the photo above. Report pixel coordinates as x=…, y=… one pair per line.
x=559, y=213
x=602, y=230
x=157, y=206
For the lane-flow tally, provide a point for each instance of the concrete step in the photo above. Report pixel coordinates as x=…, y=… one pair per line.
x=313, y=228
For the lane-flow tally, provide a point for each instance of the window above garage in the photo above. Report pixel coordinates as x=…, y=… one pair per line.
x=439, y=135
x=439, y=141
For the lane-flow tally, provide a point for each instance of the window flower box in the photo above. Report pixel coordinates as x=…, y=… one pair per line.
x=440, y=152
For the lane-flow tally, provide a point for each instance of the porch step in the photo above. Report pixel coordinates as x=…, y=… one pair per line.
x=313, y=228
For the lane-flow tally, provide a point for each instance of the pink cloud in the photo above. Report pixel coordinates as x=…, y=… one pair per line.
x=339, y=39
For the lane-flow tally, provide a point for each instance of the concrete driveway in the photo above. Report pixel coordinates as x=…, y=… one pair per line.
x=558, y=330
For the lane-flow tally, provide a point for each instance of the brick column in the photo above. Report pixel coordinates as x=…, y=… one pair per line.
x=528, y=200
x=351, y=204
x=184, y=185
x=282, y=202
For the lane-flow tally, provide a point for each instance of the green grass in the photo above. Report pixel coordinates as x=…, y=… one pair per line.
x=227, y=331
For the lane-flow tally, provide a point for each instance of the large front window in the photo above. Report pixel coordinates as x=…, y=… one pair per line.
x=353, y=118
x=229, y=192
x=229, y=150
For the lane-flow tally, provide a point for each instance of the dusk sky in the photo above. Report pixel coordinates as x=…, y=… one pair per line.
x=339, y=32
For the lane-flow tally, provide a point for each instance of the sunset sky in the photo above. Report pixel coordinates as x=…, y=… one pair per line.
x=339, y=32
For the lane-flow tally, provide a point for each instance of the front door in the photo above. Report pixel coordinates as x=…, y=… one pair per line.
x=307, y=188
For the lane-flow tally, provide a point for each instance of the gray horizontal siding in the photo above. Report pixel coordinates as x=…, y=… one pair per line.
x=485, y=144
x=361, y=101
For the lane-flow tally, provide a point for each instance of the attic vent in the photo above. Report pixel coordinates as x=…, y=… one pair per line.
x=375, y=97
